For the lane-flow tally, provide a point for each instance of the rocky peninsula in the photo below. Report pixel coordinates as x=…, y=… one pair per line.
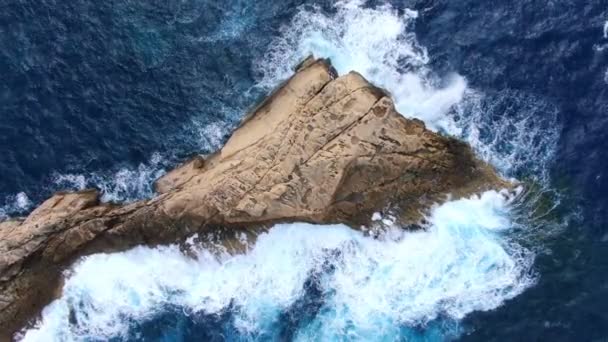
x=319, y=149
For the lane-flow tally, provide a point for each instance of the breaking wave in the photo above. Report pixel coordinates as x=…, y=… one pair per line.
x=336, y=281
x=304, y=282
x=15, y=205
x=126, y=184
x=380, y=44
x=135, y=183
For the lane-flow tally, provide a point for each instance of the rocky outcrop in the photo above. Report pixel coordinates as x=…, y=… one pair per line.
x=320, y=149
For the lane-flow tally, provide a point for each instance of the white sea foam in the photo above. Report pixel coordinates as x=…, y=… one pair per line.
x=467, y=259
x=380, y=44
x=514, y=131
x=135, y=183
x=15, y=204
x=460, y=264
x=603, y=47
x=126, y=184
x=209, y=136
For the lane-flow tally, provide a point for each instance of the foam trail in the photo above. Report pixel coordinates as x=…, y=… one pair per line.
x=516, y=132
x=372, y=289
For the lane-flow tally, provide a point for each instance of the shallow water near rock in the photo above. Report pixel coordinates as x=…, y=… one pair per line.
x=176, y=77
x=302, y=282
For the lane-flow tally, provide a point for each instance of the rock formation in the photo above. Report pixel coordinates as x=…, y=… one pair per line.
x=320, y=149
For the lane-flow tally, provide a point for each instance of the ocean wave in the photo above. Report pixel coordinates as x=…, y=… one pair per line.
x=124, y=185
x=379, y=42
x=603, y=47
x=366, y=288
x=516, y=132
x=209, y=136
x=331, y=282
x=129, y=183
x=15, y=205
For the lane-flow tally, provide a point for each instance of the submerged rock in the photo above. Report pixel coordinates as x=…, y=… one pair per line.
x=319, y=149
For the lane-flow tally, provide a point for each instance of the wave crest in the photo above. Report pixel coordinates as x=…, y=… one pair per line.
x=367, y=288
x=515, y=132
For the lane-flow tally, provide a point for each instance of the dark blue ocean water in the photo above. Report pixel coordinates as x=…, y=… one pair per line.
x=110, y=94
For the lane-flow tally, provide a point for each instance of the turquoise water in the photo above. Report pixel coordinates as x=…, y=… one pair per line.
x=303, y=282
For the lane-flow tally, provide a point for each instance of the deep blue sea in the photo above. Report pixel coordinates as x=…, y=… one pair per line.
x=111, y=94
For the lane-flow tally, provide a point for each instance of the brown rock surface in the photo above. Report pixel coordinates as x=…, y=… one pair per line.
x=321, y=149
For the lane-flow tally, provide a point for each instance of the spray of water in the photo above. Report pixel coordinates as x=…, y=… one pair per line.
x=398, y=286
x=15, y=205
x=506, y=129
x=373, y=288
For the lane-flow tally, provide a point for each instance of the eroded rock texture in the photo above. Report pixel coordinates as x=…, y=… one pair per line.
x=321, y=149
